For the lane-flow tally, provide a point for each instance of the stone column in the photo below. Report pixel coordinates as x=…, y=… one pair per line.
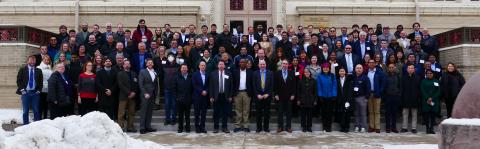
x=279, y=12
x=218, y=13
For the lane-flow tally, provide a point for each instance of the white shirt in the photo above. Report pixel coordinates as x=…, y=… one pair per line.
x=371, y=76
x=348, y=58
x=243, y=80
x=363, y=49
x=220, y=85
x=152, y=74
x=202, y=74
x=342, y=81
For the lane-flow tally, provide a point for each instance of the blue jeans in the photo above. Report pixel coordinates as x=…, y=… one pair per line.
x=31, y=99
x=170, y=106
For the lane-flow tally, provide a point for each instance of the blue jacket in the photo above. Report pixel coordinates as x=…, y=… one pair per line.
x=379, y=82
x=199, y=86
x=326, y=85
x=361, y=86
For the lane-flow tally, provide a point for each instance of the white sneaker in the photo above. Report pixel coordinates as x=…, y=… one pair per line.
x=363, y=130
x=357, y=129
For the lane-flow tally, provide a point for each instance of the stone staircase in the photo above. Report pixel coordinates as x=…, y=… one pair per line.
x=8, y=97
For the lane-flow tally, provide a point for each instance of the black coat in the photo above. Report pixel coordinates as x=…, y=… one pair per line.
x=182, y=89
x=106, y=81
x=59, y=89
x=345, y=94
x=451, y=84
x=127, y=84
x=214, y=84
x=410, y=91
x=236, y=82
x=284, y=89
x=307, y=92
x=269, y=87
x=22, y=79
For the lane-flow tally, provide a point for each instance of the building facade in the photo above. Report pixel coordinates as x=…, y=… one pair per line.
x=437, y=15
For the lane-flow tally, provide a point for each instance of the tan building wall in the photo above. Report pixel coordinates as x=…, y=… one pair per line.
x=465, y=56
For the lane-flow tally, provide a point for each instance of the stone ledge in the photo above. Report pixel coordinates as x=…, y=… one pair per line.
x=459, y=133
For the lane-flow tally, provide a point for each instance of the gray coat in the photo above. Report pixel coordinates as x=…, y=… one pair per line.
x=147, y=86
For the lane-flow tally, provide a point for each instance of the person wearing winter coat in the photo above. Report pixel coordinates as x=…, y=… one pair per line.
x=361, y=92
x=307, y=92
x=327, y=93
x=46, y=67
x=410, y=98
x=451, y=83
x=344, y=99
x=430, y=88
x=392, y=100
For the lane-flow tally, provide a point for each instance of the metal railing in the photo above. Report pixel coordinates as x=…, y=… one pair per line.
x=463, y=35
x=24, y=34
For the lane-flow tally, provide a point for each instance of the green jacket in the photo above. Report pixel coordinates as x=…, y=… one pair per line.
x=430, y=88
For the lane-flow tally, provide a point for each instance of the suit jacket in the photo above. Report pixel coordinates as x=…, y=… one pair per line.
x=135, y=61
x=183, y=88
x=23, y=76
x=257, y=88
x=345, y=93
x=106, y=81
x=146, y=84
x=214, y=84
x=313, y=50
x=285, y=88
x=126, y=84
x=343, y=61
x=236, y=82
x=356, y=49
x=199, y=86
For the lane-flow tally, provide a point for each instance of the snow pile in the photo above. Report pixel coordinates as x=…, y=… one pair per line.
x=9, y=116
x=468, y=122
x=417, y=146
x=92, y=131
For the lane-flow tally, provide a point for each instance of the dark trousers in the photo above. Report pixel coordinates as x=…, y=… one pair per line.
x=391, y=108
x=285, y=112
x=87, y=105
x=109, y=110
x=71, y=108
x=262, y=108
x=429, y=118
x=344, y=119
x=30, y=99
x=43, y=106
x=200, y=110
x=221, y=110
x=183, y=110
x=327, y=113
x=170, y=108
x=295, y=108
x=58, y=111
x=306, y=117
x=449, y=103
x=146, y=111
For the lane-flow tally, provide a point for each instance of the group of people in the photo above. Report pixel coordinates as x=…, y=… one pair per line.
x=304, y=74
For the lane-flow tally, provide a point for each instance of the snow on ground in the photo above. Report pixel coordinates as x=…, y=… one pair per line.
x=470, y=122
x=417, y=146
x=92, y=131
x=7, y=116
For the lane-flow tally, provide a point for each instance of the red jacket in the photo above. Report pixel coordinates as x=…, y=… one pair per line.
x=137, y=35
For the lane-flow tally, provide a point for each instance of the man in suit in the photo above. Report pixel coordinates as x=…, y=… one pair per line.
x=147, y=81
x=39, y=57
x=263, y=92
x=200, y=97
x=384, y=51
x=362, y=47
x=183, y=91
x=83, y=34
x=127, y=90
x=284, y=95
x=242, y=84
x=349, y=60
x=119, y=50
x=220, y=91
x=107, y=89
x=29, y=83
x=139, y=58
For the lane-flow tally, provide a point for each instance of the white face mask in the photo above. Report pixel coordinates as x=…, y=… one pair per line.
x=144, y=40
x=170, y=58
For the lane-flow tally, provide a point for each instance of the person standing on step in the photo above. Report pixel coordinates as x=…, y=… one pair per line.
x=410, y=98
x=284, y=95
x=361, y=92
x=327, y=93
x=430, y=88
x=263, y=92
x=107, y=89
x=377, y=86
x=29, y=83
x=220, y=91
x=87, y=90
x=200, y=97
x=344, y=99
x=307, y=92
x=147, y=81
x=127, y=81
x=392, y=101
x=182, y=89
x=242, y=81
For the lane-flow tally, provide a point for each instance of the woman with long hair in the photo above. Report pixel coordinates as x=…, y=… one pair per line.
x=314, y=67
x=87, y=90
x=46, y=67
x=266, y=45
x=452, y=82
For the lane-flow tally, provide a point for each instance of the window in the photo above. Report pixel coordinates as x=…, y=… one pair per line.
x=260, y=5
x=236, y=4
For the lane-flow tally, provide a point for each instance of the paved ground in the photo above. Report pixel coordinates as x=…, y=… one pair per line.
x=284, y=140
